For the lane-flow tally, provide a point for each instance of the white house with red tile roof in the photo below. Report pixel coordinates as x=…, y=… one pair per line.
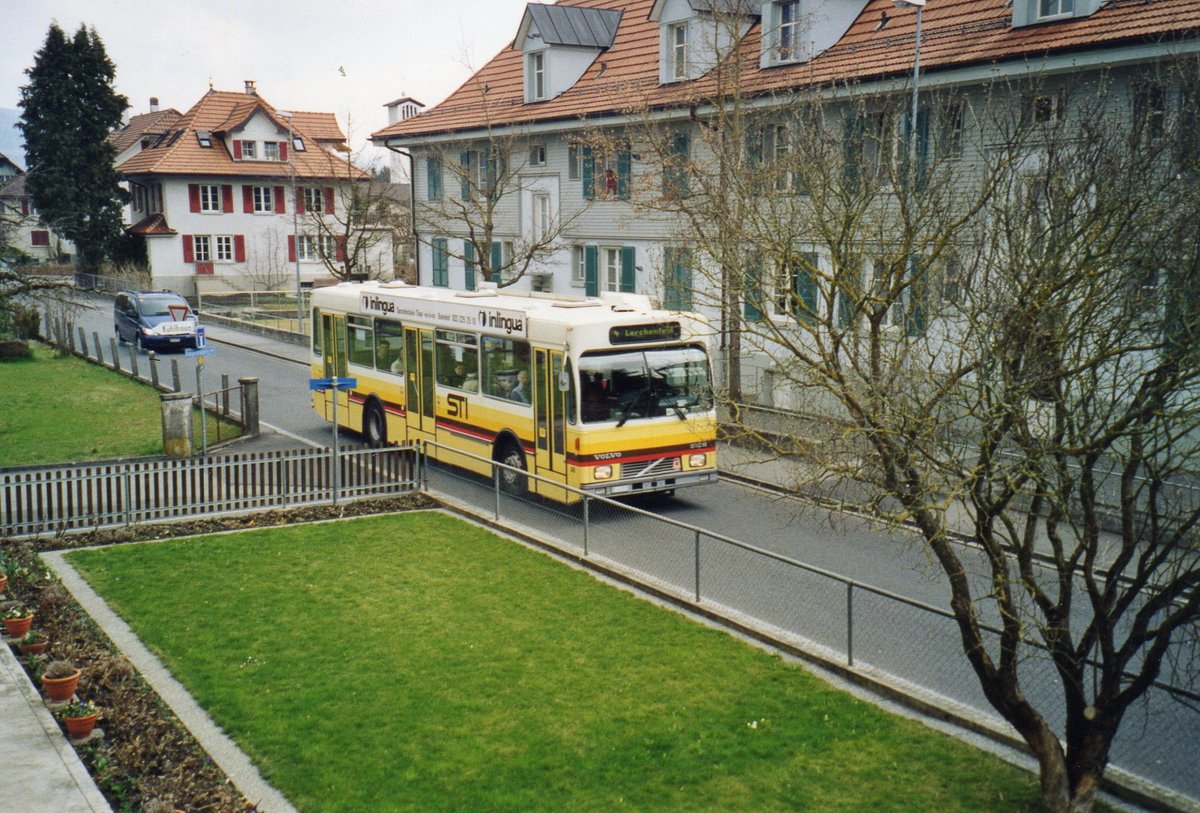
x=226, y=195
x=580, y=67
x=22, y=228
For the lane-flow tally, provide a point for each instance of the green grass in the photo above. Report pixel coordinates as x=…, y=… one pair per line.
x=417, y=662
x=61, y=409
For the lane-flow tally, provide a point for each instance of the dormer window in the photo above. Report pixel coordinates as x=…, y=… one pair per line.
x=298, y=143
x=270, y=151
x=535, y=73
x=1055, y=8
x=205, y=138
x=677, y=50
x=788, y=46
x=245, y=150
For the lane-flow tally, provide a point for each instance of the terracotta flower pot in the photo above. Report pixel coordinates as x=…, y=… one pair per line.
x=3, y=581
x=61, y=688
x=36, y=648
x=17, y=627
x=80, y=727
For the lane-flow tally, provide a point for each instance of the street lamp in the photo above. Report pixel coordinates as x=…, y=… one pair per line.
x=295, y=218
x=916, y=84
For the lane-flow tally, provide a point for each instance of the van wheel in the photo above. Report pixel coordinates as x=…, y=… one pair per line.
x=513, y=482
x=120, y=338
x=375, y=426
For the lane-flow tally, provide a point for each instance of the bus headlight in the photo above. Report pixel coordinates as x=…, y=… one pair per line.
x=603, y=472
x=697, y=461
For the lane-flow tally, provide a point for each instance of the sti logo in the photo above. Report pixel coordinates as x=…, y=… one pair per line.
x=498, y=321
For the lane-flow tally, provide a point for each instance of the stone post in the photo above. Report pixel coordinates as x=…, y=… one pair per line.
x=249, y=406
x=177, y=424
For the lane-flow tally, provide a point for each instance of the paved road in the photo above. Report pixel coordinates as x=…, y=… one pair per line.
x=1160, y=741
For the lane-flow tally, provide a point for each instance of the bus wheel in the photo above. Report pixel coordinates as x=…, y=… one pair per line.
x=512, y=482
x=375, y=426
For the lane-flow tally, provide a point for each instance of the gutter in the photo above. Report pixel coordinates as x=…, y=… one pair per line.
x=412, y=204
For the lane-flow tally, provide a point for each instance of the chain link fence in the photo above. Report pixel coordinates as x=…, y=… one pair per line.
x=910, y=646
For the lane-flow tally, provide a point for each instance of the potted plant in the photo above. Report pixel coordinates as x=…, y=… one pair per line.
x=60, y=679
x=17, y=619
x=34, y=643
x=80, y=718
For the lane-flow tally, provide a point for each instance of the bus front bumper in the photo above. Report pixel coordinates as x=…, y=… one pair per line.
x=619, y=488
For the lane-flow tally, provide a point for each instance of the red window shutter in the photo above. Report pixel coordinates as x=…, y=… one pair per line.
x=237, y=150
x=329, y=200
x=291, y=248
x=239, y=248
x=283, y=148
x=194, y=197
x=24, y=207
x=280, y=201
x=300, y=200
x=248, y=199
x=341, y=248
x=188, y=256
x=226, y=198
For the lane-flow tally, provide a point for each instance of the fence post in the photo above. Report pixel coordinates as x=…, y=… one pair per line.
x=177, y=424
x=128, y=498
x=83, y=342
x=99, y=349
x=586, y=524
x=175, y=375
x=152, y=358
x=496, y=486
x=696, y=554
x=116, y=357
x=849, y=623
x=133, y=360
x=250, y=406
x=224, y=395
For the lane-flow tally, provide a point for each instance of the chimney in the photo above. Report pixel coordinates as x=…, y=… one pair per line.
x=153, y=104
x=250, y=87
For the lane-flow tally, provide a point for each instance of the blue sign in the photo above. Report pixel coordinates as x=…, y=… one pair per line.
x=203, y=350
x=201, y=342
x=334, y=383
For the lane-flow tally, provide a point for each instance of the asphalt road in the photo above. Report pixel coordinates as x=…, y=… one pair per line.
x=1160, y=740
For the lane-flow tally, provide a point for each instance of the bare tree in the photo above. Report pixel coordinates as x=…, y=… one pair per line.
x=266, y=266
x=991, y=335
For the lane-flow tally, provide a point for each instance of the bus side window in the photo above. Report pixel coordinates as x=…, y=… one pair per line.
x=389, y=346
x=318, y=339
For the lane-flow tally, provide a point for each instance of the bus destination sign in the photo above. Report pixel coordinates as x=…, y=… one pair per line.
x=638, y=334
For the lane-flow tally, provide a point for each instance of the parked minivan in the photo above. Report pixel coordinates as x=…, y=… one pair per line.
x=154, y=320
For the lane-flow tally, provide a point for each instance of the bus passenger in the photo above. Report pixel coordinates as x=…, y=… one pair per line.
x=521, y=391
x=595, y=397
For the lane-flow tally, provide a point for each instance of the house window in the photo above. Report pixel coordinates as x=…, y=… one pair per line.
x=796, y=287
x=39, y=237
x=536, y=72
x=781, y=156
x=139, y=197
x=210, y=198
x=204, y=138
x=481, y=173
x=314, y=199
x=224, y=245
x=606, y=173
x=503, y=267
x=248, y=150
x=297, y=143
x=675, y=165
x=537, y=155
x=1150, y=110
x=441, y=262
x=573, y=163
x=270, y=150
x=949, y=129
x=1055, y=8
x=263, y=201
x=155, y=199
x=677, y=49
x=610, y=269
x=321, y=247
x=1042, y=108
x=578, y=266
x=677, y=279
x=542, y=230
x=202, y=248
x=789, y=30
x=433, y=177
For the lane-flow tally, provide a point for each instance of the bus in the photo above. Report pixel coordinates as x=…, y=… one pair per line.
x=605, y=394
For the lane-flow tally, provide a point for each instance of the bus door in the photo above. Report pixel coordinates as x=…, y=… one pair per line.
x=333, y=328
x=550, y=416
x=418, y=357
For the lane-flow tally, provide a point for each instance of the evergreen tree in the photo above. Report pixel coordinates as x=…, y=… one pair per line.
x=68, y=109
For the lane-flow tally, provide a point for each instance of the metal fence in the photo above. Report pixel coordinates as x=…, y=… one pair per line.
x=272, y=310
x=911, y=646
x=105, y=494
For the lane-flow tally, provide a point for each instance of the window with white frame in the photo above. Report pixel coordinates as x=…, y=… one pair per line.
x=796, y=292
x=202, y=248
x=537, y=155
x=263, y=199
x=224, y=246
x=542, y=225
x=610, y=269
x=321, y=247
x=578, y=267
x=949, y=129
x=1150, y=110
x=1055, y=8
x=249, y=153
x=677, y=51
x=781, y=136
x=210, y=197
x=788, y=33
x=1043, y=108
x=314, y=199
x=270, y=150
x=155, y=199
x=535, y=75
x=573, y=163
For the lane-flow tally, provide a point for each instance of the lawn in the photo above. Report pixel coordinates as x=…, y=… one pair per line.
x=59, y=409
x=417, y=662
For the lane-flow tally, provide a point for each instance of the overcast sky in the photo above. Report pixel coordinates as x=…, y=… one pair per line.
x=347, y=57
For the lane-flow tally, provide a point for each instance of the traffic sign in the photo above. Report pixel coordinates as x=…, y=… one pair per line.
x=201, y=341
x=333, y=383
x=201, y=351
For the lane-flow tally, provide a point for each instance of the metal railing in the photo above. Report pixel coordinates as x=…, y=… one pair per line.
x=911, y=646
x=271, y=310
x=104, y=494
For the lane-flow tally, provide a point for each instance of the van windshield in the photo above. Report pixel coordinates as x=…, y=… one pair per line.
x=159, y=305
x=629, y=385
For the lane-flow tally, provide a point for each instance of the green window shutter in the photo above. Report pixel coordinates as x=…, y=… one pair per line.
x=752, y=305
x=675, y=173
x=588, y=173
x=677, y=283
x=806, y=287
x=847, y=295
x=624, y=169
x=922, y=146
x=591, y=271
x=494, y=171
x=670, y=292
x=754, y=156
x=628, y=271
x=852, y=148
x=915, y=318
x=433, y=185
x=464, y=163
x=469, y=264
x=441, y=263
x=497, y=259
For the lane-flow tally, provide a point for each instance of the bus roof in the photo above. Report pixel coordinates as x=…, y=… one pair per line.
x=541, y=317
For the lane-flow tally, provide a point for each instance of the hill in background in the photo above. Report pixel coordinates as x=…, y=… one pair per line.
x=11, y=143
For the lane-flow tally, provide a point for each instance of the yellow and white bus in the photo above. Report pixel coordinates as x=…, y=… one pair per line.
x=604, y=394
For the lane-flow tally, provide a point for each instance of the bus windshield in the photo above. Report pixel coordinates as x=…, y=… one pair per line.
x=627, y=385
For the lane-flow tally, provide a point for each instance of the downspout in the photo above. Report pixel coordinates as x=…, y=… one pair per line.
x=412, y=205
